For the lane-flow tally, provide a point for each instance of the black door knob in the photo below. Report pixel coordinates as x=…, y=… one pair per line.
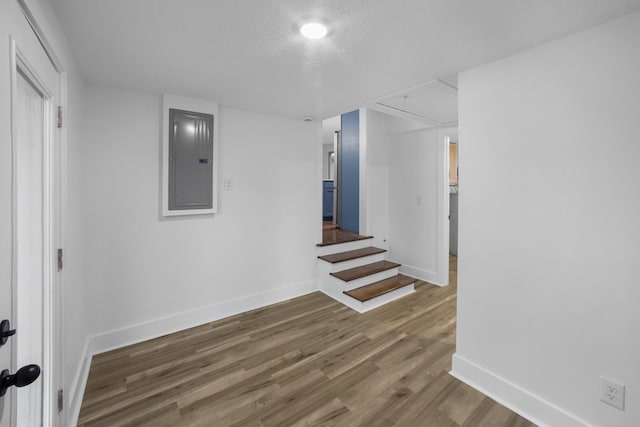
x=5, y=331
x=25, y=376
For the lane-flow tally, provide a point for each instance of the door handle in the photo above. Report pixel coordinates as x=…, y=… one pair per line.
x=5, y=331
x=25, y=376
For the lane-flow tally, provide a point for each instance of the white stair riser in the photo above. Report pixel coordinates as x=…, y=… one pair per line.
x=367, y=280
x=339, y=266
x=342, y=247
x=376, y=302
x=385, y=298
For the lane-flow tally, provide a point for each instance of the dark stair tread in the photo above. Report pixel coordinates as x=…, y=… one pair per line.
x=364, y=270
x=365, y=293
x=335, y=237
x=349, y=255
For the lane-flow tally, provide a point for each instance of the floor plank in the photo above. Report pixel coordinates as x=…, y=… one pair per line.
x=309, y=361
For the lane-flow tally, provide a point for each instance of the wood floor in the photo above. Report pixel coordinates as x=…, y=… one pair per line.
x=327, y=225
x=334, y=236
x=306, y=362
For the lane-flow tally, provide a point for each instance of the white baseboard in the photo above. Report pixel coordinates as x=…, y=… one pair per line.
x=181, y=321
x=532, y=407
x=174, y=323
x=421, y=274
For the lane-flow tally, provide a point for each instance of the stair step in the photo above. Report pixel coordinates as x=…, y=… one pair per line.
x=364, y=270
x=365, y=293
x=349, y=255
x=336, y=236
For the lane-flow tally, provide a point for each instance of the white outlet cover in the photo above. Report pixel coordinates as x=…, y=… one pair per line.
x=612, y=393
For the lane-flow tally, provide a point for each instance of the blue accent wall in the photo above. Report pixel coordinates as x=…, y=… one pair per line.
x=350, y=172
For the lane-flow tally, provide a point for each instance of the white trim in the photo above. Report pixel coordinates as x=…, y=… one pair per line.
x=48, y=230
x=166, y=325
x=59, y=342
x=421, y=274
x=529, y=405
x=443, y=216
x=14, y=220
x=364, y=214
x=33, y=23
x=177, y=322
x=200, y=106
x=77, y=387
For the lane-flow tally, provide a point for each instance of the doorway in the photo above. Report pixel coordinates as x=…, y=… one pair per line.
x=341, y=177
x=330, y=157
x=329, y=184
x=453, y=196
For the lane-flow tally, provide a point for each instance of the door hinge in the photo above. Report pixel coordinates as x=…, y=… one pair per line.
x=60, y=262
x=60, y=400
x=59, y=117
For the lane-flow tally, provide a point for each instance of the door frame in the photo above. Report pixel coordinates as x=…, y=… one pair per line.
x=52, y=218
x=446, y=208
x=337, y=186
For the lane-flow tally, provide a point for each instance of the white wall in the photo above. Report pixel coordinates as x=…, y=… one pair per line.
x=148, y=275
x=374, y=188
x=418, y=203
x=548, y=295
x=400, y=161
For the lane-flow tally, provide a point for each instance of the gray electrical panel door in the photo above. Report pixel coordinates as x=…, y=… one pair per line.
x=190, y=160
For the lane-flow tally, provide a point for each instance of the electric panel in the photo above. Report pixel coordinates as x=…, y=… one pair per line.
x=190, y=160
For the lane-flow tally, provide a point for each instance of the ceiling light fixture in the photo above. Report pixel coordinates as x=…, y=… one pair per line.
x=313, y=30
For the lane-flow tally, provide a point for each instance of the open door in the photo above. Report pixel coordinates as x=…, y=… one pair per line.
x=29, y=227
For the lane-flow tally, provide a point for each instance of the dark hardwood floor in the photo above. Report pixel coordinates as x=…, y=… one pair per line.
x=349, y=255
x=333, y=236
x=305, y=362
x=326, y=225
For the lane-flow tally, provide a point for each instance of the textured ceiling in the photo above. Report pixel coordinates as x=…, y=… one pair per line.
x=249, y=54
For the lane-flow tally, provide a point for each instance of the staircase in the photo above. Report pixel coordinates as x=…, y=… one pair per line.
x=358, y=275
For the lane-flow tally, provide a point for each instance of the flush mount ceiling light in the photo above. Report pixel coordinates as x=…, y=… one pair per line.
x=313, y=30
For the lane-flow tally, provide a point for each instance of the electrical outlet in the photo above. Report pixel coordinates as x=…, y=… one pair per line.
x=228, y=184
x=612, y=393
